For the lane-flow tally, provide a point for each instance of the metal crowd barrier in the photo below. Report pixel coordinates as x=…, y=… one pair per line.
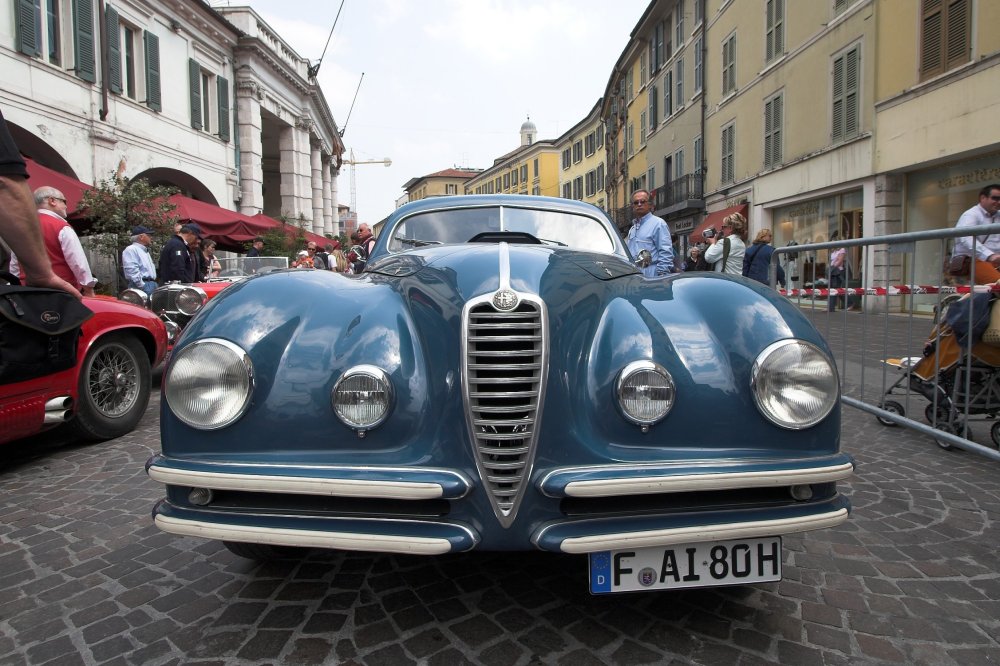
x=882, y=331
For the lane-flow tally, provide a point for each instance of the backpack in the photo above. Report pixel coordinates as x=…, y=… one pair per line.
x=39, y=330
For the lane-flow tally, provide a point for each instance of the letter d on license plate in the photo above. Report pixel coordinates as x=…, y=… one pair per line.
x=686, y=565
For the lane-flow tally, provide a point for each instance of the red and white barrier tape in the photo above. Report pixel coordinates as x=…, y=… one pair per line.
x=894, y=290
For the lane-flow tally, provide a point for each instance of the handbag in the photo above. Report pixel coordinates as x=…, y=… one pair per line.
x=991, y=335
x=959, y=265
x=39, y=330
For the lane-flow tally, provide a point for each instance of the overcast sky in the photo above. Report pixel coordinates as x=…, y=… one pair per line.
x=447, y=83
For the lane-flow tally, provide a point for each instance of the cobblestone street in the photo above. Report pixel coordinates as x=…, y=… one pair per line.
x=85, y=578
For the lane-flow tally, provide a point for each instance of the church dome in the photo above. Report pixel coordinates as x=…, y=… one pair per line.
x=528, y=126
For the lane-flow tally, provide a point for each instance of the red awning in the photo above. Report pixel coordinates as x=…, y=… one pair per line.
x=715, y=220
x=40, y=176
x=292, y=230
x=231, y=230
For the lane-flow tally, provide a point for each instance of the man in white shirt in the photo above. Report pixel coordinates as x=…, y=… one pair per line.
x=61, y=243
x=987, y=254
x=137, y=264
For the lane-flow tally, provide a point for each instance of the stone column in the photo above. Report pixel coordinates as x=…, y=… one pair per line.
x=296, y=198
x=328, y=227
x=251, y=176
x=887, y=266
x=335, y=199
x=316, y=166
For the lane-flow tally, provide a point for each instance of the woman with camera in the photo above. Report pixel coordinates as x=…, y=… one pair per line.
x=726, y=249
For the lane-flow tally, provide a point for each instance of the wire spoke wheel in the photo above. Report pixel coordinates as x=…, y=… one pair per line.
x=113, y=380
x=114, y=387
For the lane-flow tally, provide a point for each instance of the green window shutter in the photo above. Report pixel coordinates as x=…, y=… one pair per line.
x=114, y=49
x=223, y=86
x=83, y=40
x=27, y=38
x=194, y=73
x=151, y=45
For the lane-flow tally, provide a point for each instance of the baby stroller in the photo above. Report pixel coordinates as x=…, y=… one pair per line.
x=959, y=372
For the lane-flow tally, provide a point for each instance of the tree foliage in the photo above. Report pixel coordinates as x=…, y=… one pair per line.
x=117, y=204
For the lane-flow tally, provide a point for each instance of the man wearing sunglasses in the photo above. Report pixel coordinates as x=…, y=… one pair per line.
x=651, y=233
x=69, y=261
x=987, y=248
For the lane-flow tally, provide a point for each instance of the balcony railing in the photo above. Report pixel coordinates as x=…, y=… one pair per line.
x=684, y=188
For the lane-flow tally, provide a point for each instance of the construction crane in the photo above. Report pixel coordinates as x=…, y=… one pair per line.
x=354, y=181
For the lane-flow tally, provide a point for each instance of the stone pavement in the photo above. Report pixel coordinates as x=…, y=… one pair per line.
x=85, y=578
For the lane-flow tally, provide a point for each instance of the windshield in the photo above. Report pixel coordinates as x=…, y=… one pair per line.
x=458, y=225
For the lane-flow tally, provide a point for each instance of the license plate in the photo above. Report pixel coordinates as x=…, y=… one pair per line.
x=686, y=565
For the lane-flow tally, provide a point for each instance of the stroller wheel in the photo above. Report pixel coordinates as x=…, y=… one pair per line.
x=995, y=434
x=893, y=407
x=942, y=415
x=956, y=427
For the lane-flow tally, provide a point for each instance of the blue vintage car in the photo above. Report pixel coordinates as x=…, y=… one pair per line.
x=502, y=377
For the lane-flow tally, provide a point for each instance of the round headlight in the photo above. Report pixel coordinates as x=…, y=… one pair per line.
x=135, y=297
x=795, y=384
x=362, y=397
x=173, y=330
x=645, y=392
x=190, y=300
x=209, y=383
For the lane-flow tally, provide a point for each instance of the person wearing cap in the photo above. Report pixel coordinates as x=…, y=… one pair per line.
x=137, y=264
x=176, y=262
x=257, y=248
x=66, y=254
x=303, y=260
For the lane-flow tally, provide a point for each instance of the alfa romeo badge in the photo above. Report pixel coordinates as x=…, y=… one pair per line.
x=505, y=299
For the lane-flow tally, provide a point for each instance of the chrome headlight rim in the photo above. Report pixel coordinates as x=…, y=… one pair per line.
x=198, y=296
x=134, y=296
x=629, y=372
x=169, y=390
x=373, y=372
x=173, y=330
x=759, y=366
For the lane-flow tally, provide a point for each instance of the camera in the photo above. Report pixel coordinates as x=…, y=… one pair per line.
x=710, y=232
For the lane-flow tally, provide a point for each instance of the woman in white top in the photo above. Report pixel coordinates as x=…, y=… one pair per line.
x=726, y=250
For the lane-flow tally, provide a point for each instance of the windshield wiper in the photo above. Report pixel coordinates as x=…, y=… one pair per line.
x=416, y=242
x=552, y=242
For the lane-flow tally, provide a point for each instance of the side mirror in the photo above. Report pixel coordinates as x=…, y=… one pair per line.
x=644, y=259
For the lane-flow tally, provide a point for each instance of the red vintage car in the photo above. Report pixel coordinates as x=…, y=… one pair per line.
x=106, y=393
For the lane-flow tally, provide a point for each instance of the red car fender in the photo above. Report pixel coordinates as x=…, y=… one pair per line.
x=22, y=404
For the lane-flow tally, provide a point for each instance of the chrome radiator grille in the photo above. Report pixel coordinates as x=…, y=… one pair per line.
x=505, y=375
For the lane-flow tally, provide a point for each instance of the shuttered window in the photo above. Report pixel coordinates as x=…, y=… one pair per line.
x=846, y=75
x=728, y=142
x=946, y=36
x=194, y=85
x=772, y=131
x=729, y=65
x=774, y=35
x=27, y=36
x=83, y=40
x=223, y=91
x=653, y=101
x=151, y=46
x=112, y=30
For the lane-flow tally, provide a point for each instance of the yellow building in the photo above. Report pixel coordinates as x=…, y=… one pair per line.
x=581, y=160
x=441, y=183
x=789, y=121
x=532, y=168
x=937, y=142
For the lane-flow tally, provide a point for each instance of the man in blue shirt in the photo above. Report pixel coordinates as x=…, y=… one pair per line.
x=651, y=233
x=140, y=273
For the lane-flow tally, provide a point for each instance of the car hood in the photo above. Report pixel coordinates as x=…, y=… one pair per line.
x=525, y=262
